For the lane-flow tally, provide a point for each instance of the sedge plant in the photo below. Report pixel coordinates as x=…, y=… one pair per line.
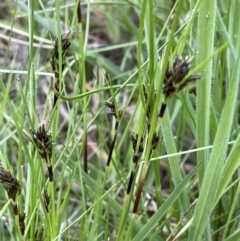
x=163, y=164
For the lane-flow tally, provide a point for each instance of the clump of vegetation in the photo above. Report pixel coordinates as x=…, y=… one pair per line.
x=119, y=120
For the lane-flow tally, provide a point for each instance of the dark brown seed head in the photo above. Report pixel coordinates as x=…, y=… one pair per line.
x=175, y=76
x=42, y=141
x=134, y=138
x=46, y=200
x=22, y=222
x=55, y=55
x=9, y=183
x=155, y=140
x=145, y=93
x=112, y=107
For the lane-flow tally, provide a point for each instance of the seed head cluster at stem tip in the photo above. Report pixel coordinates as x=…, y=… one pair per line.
x=46, y=200
x=55, y=63
x=9, y=183
x=43, y=142
x=174, y=80
x=55, y=54
x=22, y=222
x=134, y=138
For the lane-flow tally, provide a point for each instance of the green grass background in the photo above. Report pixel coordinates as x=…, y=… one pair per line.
x=193, y=174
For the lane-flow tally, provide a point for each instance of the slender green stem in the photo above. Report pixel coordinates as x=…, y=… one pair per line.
x=89, y=93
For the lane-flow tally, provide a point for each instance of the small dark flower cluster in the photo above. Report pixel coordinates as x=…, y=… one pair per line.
x=46, y=200
x=134, y=138
x=145, y=93
x=10, y=183
x=113, y=111
x=22, y=222
x=43, y=143
x=55, y=55
x=111, y=106
x=137, y=153
x=12, y=186
x=55, y=59
x=174, y=80
x=117, y=114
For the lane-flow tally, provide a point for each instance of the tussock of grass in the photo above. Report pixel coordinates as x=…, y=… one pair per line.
x=119, y=120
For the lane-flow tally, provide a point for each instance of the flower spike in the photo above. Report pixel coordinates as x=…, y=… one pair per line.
x=43, y=143
x=175, y=77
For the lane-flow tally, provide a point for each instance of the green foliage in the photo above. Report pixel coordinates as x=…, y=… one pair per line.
x=119, y=120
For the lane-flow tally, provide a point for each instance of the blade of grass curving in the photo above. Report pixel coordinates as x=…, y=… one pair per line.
x=215, y=166
x=153, y=221
x=230, y=166
x=37, y=17
x=235, y=236
x=4, y=207
x=105, y=195
x=174, y=162
x=231, y=214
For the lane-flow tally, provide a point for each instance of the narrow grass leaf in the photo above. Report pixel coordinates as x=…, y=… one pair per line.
x=215, y=166
x=174, y=161
x=153, y=221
